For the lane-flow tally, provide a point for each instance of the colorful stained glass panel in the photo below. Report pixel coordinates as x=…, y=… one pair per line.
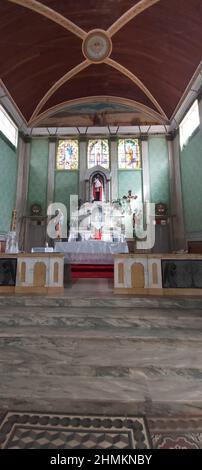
x=67, y=155
x=129, y=154
x=98, y=153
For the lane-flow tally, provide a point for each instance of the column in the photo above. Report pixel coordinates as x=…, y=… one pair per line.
x=169, y=139
x=23, y=156
x=82, y=166
x=145, y=168
x=178, y=213
x=114, y=168
x=200, y=109
x=51, y=170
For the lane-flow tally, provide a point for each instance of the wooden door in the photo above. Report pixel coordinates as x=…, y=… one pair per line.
x=137, y=276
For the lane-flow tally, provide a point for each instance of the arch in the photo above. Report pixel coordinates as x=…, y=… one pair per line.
x=23, y=272
x=154, y=273
x=137, y=276
x=103, y=98
x=103, y=180
x=39, y=274
x=56, y=272
x=120, y=273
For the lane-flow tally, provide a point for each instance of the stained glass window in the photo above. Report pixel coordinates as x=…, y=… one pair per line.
x=129, y=154
x=67, y=155
x=98, y=153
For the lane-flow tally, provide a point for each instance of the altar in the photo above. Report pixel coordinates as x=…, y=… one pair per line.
x=91, y=251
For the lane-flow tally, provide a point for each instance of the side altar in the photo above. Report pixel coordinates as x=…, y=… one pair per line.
x=31, y=273
x=167, y=274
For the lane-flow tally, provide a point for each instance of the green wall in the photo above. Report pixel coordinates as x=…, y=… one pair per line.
x=38, y=173
x=130, y=179
x=191, y=177
x=66, y=183
x=8, y=176
x=159, y=170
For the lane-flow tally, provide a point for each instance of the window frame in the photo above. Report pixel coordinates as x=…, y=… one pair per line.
x=6, y=124
x=194, y=108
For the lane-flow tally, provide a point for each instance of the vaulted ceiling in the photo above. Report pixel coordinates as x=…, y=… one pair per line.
x=142, y=54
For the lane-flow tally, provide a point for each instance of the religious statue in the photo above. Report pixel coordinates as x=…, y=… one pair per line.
x=97, y=189
x=58, y=223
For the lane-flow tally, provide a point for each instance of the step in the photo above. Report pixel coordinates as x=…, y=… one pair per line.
x=99, y=352
x=95, y=395
x=101, y=300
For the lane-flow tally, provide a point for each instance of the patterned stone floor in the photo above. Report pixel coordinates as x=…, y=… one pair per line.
x=51, y=431
x=176, y=433
x=102, y=362
x=38, y=431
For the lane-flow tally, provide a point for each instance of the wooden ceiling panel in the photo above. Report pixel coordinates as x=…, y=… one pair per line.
x=111, y=83
x=35, y=53
x=163, y=47
x=91, y=14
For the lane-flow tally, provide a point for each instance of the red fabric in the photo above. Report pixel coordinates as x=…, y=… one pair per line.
x=97, y=271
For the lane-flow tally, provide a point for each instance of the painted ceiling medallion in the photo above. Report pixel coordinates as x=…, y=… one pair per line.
x=97, y=46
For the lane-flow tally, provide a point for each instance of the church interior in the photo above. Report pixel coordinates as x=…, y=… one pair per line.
x=101, y=224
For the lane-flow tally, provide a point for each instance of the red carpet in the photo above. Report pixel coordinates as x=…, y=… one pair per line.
x=98, y=271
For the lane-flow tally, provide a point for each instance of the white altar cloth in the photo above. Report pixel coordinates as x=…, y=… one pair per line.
x=92, y=251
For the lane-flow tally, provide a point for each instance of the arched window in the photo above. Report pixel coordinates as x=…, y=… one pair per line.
x=129, y=154
x=67, y=155
x=98, y=153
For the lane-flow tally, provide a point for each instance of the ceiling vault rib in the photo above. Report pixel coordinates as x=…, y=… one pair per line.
x=104, y=98
x=130, y=14
x=137, y=81
x=52, y=15
x=58, y=84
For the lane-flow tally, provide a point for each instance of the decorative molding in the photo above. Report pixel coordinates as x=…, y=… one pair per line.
x=52, y=140
x=57, y=85
x=27, y=139
x=52, y=15
x=130, y=14
x=97, y=46
x=138, y=82
x=170, y=137
x=105, y=99
x=113, y=138
x=83, y=138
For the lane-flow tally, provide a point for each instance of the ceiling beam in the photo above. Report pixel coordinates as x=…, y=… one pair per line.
x=52, y=15
x=58, y=84
x=137, y=82
x=130, y=14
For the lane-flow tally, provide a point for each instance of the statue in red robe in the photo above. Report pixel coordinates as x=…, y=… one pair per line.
x=97, y=188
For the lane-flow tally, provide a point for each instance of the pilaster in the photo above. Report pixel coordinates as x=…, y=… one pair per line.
x=23, y=156
x=145, y=168
x=82, y=166
x=177, y=200
x=51, y=170
x=114, y=168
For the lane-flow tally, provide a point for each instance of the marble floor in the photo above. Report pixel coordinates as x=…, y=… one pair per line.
x=101, y=360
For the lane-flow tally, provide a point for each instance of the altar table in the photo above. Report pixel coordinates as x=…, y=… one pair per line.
x=92, y=251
